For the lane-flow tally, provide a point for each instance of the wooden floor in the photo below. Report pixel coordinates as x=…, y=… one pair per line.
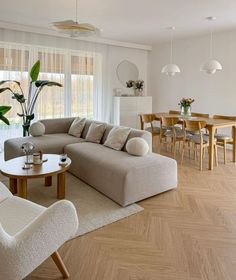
x=185, y=234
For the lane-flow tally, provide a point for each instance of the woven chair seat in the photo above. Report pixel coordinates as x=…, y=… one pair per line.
x=197, y=140
x=154, y=129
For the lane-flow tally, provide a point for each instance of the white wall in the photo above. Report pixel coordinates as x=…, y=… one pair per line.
x=116, y=56
x=212, y=93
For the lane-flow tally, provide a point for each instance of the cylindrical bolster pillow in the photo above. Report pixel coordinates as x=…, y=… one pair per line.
x=137, y=146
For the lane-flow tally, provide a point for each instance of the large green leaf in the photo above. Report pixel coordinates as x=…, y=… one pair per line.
x=42, y=83
x=4, y=119
x=4, y=109
x=34, y=72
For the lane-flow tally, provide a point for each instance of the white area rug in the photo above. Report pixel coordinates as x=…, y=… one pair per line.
x=94, y=209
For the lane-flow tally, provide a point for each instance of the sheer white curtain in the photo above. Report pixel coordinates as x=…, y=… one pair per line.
x=81, y=67
x=14, y=64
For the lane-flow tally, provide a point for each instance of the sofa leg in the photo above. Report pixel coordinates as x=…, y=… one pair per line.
x=60, y=265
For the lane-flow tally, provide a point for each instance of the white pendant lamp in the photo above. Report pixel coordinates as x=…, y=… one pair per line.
x=171, y=69
x=212, y=65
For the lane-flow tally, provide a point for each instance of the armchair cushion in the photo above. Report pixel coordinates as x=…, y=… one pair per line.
x=4, y=192
x=16, y=213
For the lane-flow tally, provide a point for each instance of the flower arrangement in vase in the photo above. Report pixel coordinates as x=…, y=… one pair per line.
x=137, y=86
x=185, y=106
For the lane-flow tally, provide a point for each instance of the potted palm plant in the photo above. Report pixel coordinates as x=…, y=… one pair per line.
x=27, y=105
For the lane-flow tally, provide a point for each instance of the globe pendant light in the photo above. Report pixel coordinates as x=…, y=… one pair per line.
x=212, y=65
x=171, y=69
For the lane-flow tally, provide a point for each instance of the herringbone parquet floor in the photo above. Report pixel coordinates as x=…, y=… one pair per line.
x=185, y=234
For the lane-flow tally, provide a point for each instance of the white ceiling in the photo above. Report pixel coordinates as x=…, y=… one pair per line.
x=133, y=21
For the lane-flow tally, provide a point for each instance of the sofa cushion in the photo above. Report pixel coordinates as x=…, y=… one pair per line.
x=95, y=132
x=137, y=146
x=117, y=137
x=48, y=143
x=77, y=127
x=120, y=176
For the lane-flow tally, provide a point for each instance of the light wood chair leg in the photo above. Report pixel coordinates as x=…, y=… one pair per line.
x=201, y=157
x=182, y=154
x=189, y=149
x=60, y=265
x=225, y=153
x=195, y=152
x=216, y=155
x=174, y=148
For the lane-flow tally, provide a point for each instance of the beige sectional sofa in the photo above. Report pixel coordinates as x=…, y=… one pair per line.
x=122, y=177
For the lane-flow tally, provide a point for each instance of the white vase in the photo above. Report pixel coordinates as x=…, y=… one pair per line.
x=138, y=92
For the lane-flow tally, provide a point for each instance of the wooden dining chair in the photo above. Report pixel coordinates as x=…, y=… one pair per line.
x=197, y=138
x=223, y=140
x=147, y=122
x=173, y=112
x=200, y=115
x=171, y=131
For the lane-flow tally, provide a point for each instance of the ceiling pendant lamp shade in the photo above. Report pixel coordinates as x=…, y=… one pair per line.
x=171, y=69
x=74, y=28
x=211, y=65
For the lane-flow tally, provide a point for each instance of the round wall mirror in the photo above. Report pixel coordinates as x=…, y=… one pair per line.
x=126, y=71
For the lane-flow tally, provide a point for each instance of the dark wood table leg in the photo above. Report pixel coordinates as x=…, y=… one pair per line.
x=22, y=187
x=13, y=185
x=48, y=181
x=61, y=178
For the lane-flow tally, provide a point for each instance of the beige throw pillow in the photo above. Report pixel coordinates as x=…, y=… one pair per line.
x=95, y=132
x=117, y=137
x=77, y=127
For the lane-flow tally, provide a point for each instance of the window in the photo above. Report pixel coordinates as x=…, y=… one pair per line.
x=73, y=69
x=51, y=100
x=82, y=85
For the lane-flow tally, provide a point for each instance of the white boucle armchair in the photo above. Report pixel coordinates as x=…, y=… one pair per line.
x=30, y=233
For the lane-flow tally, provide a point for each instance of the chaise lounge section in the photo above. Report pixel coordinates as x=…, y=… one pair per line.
x=122, y=177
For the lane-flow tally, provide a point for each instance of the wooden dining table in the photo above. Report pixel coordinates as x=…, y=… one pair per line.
x=211, y=125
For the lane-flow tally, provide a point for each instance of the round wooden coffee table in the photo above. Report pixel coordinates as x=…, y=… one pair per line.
x=18, y=177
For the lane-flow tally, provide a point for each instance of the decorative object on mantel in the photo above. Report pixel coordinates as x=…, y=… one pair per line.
x=75, y=29
x=185, y=106
x=35, y=87
x=171, y=69
x=137, y=86
x=212, y=65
